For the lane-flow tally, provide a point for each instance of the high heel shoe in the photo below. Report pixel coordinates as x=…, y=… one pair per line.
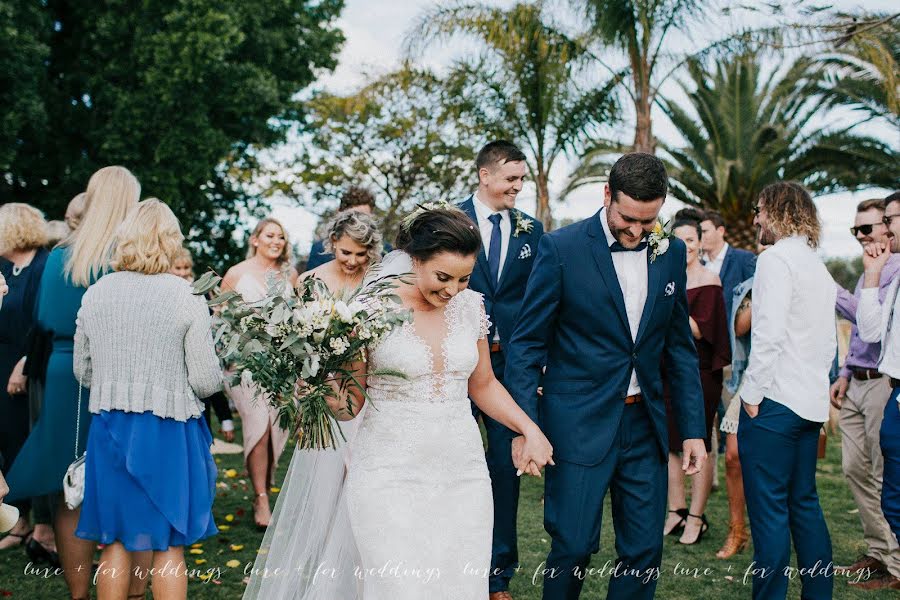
x=38, y=553
x=259, y=525
x=679, y=526
x=736, y=541
x=704, y=527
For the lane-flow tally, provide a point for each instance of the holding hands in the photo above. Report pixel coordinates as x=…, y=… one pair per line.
x=876, y=256
x=531, y=451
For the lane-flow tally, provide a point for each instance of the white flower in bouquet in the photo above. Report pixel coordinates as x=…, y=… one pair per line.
x=246, y=377
x=343, y=311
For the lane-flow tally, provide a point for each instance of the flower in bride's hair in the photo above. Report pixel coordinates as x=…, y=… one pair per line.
x=425, y=207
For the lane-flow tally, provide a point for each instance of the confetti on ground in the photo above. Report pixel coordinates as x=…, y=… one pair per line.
x=200, y=561
x=237, y=547
x=196, y=551
x=196, y=545
x=229, y=518
x=233, y=564
x=275, y=490
x=224, y=527
x=230, y=473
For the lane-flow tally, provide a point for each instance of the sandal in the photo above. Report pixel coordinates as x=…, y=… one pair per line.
x=22, y=537
x=704, y=527
x=679, y=526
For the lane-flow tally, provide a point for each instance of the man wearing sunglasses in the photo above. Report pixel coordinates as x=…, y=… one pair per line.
x=876, y=319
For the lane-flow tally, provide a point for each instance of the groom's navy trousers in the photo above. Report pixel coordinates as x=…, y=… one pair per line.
x=635, y=474
x=778, y=458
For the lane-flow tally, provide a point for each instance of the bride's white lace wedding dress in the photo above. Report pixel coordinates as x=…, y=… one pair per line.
x=417, y=492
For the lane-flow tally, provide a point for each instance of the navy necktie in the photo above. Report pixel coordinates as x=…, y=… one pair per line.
x=494, y=250
x=617, y=247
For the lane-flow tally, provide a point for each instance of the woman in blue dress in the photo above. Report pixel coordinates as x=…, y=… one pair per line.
x=144, y=347
x=50, y=448
x=23, y=234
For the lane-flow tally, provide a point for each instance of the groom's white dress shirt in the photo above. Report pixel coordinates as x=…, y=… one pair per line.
x=793, y=338
x=485, y=227
x=631, y=269
x=877, y=323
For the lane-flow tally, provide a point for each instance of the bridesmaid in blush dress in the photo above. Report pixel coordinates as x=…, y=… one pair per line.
x=268, y=262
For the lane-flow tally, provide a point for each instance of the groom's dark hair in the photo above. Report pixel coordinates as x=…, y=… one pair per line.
x=639, y=175
x=498, y=152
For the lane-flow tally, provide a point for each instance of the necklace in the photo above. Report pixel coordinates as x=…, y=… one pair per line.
x=16, y=270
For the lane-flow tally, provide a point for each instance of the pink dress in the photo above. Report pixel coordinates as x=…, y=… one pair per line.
x=257, y=414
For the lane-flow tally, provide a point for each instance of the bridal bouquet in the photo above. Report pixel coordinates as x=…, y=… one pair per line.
x=294, y=346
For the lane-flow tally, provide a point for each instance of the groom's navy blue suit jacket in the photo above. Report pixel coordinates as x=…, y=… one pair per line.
x=503, y=299
x=574, y=315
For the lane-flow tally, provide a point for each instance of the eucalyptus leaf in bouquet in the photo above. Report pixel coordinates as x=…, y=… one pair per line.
x=298, y=346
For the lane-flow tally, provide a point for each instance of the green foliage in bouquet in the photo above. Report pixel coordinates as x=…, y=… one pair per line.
x=297, y=346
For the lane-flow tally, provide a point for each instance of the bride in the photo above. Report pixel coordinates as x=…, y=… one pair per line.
x=413, y=516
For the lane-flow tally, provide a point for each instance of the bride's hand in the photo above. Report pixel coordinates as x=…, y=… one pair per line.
x=531, y=452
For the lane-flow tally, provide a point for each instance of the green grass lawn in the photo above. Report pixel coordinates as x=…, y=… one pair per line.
x=714, y=579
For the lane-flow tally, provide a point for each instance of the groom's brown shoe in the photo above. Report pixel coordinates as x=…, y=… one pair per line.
x=500, y=596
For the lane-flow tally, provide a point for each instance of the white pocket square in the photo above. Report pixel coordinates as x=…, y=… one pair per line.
x=670, y=288
x=525, y=252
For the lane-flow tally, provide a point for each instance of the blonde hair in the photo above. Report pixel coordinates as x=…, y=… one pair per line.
x=111, y=192
x=22, y=227
x=148, y=239
x=76, y=205
x=360, y=228
x=183, y=255
x=57, y=231
x=285, y=253
x=790, y=211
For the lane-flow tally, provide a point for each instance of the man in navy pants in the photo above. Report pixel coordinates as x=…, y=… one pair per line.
x=509, y=245
x=785, y=397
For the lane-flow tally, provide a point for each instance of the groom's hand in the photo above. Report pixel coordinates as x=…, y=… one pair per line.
x=693, y=456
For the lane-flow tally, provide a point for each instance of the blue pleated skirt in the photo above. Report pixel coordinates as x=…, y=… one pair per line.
x=149, y=482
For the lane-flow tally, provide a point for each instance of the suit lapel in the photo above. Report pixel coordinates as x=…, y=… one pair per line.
x=603, y=258
x=654, y=271
x=726, y=265
x=512, y=250
x=469, y=207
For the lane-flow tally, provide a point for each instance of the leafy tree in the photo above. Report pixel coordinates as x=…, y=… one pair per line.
x=531, y=83
x=845, y=271
x=178, y=91
x=395, y=136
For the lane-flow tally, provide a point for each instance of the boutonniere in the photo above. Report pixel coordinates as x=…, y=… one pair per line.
x=523, y=223
x=658, y=240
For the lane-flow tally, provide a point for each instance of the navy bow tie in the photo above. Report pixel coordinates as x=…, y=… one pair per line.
x=617, y=247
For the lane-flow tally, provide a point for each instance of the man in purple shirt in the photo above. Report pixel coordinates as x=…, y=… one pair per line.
x=861, y=393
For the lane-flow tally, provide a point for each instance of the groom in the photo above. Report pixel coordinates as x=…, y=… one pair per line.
x=606, y=304
x=509, y=243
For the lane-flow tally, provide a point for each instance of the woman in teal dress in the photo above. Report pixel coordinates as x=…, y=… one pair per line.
x=50, y=448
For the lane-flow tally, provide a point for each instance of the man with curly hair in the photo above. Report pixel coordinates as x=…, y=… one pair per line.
x=785, y=396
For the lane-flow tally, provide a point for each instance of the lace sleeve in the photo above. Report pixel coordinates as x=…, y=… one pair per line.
x=484, y=327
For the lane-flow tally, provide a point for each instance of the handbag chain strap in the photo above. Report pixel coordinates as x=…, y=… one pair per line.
x=78, y=421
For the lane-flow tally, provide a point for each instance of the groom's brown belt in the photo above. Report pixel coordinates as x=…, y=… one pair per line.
x=633, y=399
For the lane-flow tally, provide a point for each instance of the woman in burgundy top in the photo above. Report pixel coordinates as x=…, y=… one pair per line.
x=710, y=328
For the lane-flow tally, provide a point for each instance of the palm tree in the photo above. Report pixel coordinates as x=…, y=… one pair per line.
x=531, y=82
x=639, y=28
x=865, y=67
x=746, y=131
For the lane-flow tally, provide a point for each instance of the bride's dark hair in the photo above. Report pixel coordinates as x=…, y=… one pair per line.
x=439, y=230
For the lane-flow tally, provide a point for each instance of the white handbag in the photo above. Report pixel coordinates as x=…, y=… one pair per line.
x=73, y=482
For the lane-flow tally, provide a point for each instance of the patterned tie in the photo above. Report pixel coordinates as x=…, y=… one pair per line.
x=617, y=247
x=494, y=250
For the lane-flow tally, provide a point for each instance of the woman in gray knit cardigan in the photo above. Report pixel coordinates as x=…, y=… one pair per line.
x=143, y=346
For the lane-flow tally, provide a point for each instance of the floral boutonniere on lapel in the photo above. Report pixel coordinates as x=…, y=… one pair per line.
x=523, y=224
x=658, y=240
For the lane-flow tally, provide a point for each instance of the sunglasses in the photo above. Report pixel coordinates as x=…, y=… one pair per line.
x=886, y=219
x=864, y=229
x=756, y=210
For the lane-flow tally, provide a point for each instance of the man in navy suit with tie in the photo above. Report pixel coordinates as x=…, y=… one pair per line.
x=510, y=240
x=733, y=265
x=606, y=304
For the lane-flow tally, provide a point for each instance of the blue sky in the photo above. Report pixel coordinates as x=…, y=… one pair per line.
x=375, y=30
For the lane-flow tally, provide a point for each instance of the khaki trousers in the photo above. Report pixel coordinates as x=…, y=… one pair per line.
x=861, y=415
